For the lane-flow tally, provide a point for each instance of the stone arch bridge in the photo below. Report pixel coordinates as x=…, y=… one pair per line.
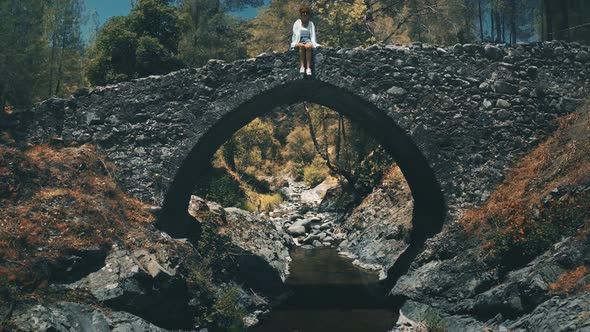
x=454, y=118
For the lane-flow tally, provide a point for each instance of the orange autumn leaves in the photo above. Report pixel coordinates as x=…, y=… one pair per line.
x=540, y=200
x=571, y=282
x=53, y=201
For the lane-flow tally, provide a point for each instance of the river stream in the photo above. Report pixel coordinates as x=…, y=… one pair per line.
x=330, y=294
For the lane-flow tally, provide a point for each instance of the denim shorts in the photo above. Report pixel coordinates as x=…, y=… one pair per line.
x=305, y=40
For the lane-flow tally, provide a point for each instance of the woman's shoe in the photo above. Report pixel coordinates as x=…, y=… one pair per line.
x=301, y=70
x=308, y=71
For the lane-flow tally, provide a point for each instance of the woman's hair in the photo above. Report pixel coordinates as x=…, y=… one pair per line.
x=304, y=9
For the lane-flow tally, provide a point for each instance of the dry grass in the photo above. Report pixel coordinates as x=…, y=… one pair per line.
x=570, y=282
x=262, y=202
x=255, y=201
x=54, y=201
x=516, y=214
x=394, y=177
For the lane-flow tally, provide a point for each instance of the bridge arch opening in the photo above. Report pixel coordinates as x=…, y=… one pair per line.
x=429, y=208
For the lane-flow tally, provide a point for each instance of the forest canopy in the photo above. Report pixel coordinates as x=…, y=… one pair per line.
x=43, y=52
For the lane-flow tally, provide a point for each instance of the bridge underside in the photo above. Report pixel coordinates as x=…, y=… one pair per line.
x=429, y=208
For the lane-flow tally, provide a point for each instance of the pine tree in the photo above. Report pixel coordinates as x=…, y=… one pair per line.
x=64, y=22
x=209, y=32
x=22, y=50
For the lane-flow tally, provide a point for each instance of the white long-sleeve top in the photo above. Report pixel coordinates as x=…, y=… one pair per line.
x=297, y=33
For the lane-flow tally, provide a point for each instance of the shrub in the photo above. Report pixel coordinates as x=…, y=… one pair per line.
x=261, y=202
x=528, y=234
x=228, y=313
x=433, y=321
x=315, y=173
x=299, y=146
x=219, y=186
x=372, y=170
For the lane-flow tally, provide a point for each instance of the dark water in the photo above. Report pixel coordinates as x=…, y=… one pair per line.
x=330, y=294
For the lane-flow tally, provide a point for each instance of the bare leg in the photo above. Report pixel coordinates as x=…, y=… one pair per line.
x=308, y=54
x=301, y=55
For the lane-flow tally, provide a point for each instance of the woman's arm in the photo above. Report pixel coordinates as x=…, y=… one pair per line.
x=295, y=38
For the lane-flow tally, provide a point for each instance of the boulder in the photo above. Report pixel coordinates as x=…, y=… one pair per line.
x=142, y=285
x=296, y=217
x=296, y=230
x=326, y=225
x=505, y=87
x=583, y=56
x=397, y=91
x=501, y=103
x=68, y=316
x=303, y=222
x=493, y=53
x=311, y=238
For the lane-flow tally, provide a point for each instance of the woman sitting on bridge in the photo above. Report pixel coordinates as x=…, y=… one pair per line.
x=304, y=38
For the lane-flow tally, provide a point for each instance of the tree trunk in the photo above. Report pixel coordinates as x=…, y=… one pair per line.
x=480, y=20
x=2, y=97
x=228, y=153
x=346, y=175
x=542, y=21
x=493, y=26
x=338, y=138
x=564, y=26
x=513, y=14
x=51, y=61
x=504, y=27
x=60, y=71
x=498, y=26
x=369, y=14
x=549, y=17
x=64, y=37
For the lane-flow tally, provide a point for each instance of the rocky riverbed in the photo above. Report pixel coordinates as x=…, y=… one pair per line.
x=162, y=284
x=451, y=285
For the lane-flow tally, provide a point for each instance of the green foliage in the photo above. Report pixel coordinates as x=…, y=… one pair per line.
x=153, y=58
x=269, y=202
x=315, y=173
x=228, y=313
x=299, y=148
x=446, y=22
x=343, y=23
x=257, y=151
x=256, y=184
x=253, y=149
x=143, y=43
x=296, y=170
x=219, y=186
x=209, y=274
x=22, y=50
x=63, y=70
x=157, y=19
x=372, y=169
x=271, y=30
x=341, y=143
x=209, y=32
x=112, y=57
x=433, y=321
